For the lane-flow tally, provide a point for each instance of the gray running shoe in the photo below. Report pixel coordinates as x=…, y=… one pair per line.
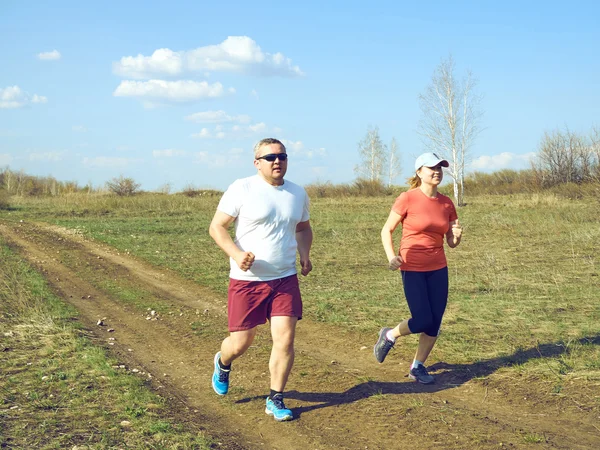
x=383, y=345
x=420, y=375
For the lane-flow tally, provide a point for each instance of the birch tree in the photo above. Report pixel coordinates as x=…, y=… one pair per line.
x=394, y=166
x=371, y=150
x=20, y=181
x=450, y=120
x=8, y=180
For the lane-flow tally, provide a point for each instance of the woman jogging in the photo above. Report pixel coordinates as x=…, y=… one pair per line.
x=426, y=217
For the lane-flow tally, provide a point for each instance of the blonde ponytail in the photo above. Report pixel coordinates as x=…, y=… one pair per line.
x=414, y=182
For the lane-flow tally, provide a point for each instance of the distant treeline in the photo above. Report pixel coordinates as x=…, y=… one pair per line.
x=23, y=185
x=567, y=163
x=501, y=182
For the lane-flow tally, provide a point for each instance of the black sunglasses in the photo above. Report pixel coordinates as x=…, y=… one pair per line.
x=271, y=157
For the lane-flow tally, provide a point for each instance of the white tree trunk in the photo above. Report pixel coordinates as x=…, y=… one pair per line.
x=449, y=123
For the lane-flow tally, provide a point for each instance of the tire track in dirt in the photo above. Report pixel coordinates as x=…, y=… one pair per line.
x=332, y=388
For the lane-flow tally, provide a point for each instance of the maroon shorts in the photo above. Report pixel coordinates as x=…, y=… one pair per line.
x=251, y=303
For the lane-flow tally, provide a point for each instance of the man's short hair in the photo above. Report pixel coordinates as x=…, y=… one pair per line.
x=266, y=141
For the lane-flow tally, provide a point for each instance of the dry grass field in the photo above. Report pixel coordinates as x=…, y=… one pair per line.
x=518, y=361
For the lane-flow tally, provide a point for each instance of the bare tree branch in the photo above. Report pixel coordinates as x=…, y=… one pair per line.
x=450, y=120
x=372, y=154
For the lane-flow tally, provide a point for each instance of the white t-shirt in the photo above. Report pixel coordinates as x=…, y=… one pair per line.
x=266, y=219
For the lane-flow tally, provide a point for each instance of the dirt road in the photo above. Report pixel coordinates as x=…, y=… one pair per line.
x=341, y=397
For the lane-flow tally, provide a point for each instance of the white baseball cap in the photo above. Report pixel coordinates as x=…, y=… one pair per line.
x=430, y=160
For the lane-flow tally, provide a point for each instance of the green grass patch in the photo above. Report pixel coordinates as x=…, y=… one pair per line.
x=523, y=284
x=57, y=390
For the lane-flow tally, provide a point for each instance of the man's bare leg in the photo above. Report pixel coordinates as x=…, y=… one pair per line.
x=283, y=332
x=236, y=344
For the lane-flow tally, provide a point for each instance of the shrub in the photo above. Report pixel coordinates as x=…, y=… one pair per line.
x=368, y=188
x=501, y=182
x=191, y=191
x=359, y=188
x=123, y=186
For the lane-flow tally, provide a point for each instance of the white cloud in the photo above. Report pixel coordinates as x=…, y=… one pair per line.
x=54, y=55
x=14, y=97
x=258, y=127
x=234, y=132
x=38, y=99
x=505, y=160
x=293, y=147
x=163, y=61
x=172, y=91
x=297, y=149
x=168, y=153
x=79, y=128
x=239, y=54
x=102, y=162
x=254, y=94
x=46, y=156
x=203, y=134
x=216, y=117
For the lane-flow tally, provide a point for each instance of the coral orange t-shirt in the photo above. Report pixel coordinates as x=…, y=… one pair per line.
x=425, y=222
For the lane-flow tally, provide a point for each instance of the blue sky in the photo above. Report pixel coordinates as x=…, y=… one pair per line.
x=178, y=92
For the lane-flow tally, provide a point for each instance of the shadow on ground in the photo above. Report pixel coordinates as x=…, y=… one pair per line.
x=447, y=376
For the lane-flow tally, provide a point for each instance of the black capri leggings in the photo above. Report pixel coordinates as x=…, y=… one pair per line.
x=427, y=296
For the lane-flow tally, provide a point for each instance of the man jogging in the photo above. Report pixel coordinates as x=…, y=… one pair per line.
x=271, y=220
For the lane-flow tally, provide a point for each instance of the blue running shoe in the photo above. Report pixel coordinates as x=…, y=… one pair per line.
x=220, y=378
x=277, y=409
